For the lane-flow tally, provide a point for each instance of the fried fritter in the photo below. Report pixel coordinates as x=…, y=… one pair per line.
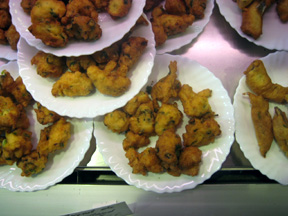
x=280, y=129
x=258, y=80
x=196, y=7
x=243, y=3
x=48, y=65
x=5, y=81
x=200, y=132
x=54, y=137
x=72, y=85
x=100, y=5
x=5, y=19
x=150, y=4
x=189, y=160
x=133, y=157
x=9, y=113
x=45, y=116
x=23, y=120
x=150, y=160
x=195, y=104
x=27, y=5
x=107, y=54
x=176, y=7
x=12, y=37
x=135, y=141
x=167, y=117
x=3, y=39
x=79, y=63
x=133, y=104
x=108, y=82
x=282, y=10
x=117, y=121
x=262, y=122
x=168, y=86
x=119, y=8
x=4, y=4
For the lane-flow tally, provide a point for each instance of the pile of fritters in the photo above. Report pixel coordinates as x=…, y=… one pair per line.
x=264, y=91
x=174, y=17
x=56, y=22
x=253, y=12
x=156, y=113
x=106, y=70
x=8, y=32
x=15, y=138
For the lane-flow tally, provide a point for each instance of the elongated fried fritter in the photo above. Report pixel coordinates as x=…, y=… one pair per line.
x=262, y=122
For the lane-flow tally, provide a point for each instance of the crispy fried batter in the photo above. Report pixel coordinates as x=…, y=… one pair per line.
x=12, y=37
x=9, y=113
x=150, y=160
x=119, y=8
x=107, y=54
x=282, y=10
x=196, y=7
x=80, y=63
x=45, y=116
x=133, y=157
x=6, y=80
x=135, y=141
x=189, y=160
x=133, y=104
x=27, y=5
x=117, y=121
x=176, y=7
x=5, y=19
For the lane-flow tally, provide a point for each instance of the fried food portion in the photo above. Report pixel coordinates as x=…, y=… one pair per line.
x=6, y=80
x=48, y=65
x=282, y=10
x=117, y=121
x=101, y=5
x=72, y=85
x=195, y=104
x=9, y=113
x=176, y=7
x=262, y=122
x=45, y=116
x=3, y=39
x=108, y=82
x=27, y=5
x=16, y=145
x=200, y=132
x=119, y=8
x=134, y=161
x=79, y=63
x=258, y=80
x=107, y=54
x=133, y=104
x=150, y=4
x=23, y=121
x=54, y=137
x=135, y=141
x=280, y=129
x=4, y=4
x=12, y=37
x=243, y=3
x=143, y=121
x=5, y=19
x=32, y=164
x=168, y=86
x=167, y=117
x=190, y=160
x=150, y=160
x=196, y=7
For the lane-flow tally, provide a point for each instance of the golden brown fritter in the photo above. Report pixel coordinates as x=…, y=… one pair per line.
x=100, y=5
x=280, y=129
x=243, y=3
x=133, y=157
x=3, y=39
x=189, y=160
x=12, y=37
x=79, y=63
x=176, y=7
x=48, y=65
x=72, y=85
x=168, y=86
x=258, y=80
x=6, y=80
x=282, y=10
x=150, y=160
x=150, y=4
x=117, y=121
x=45, y=116
x=135, y=141
x=27, y=5
x=196, y=7
x=262, y=122
x=5, y=19
x=133, y=104
x=9, y=113
x=200, y=132
x=167, y=117
x=195, y=104
x=23, y=120
x=119, y=8
x=4, y=4
x=107, y=54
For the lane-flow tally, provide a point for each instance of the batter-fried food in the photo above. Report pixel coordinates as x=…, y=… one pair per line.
x=9, y=113
x=258, y=80
x=196, y=7
x=119, y=8
x=12, y=37
x=262, y=122
x=189, y=160
x=79, y=63
x=282, y=10
x=280, y=129
x=16, y=145
x=150, y=160
x=45, y=116
x=133, y=157
x=32, y=164
x=3, y=39
x=200, y=132
x=54, y=137
x=167, y=117
x=143, y=121
x=5, y=19
x=4, y=4
x=195, y=104
x=117, y=121
x=108, y=82
x=48, y=65
x=243, y=3
x=168, y=86
x=101, y=5
x=5, y=81
x=107, y=54
x=176, y=7
x=27, y=5
x=72, y=85
x=150, y=4
x=23, y=120
x=133, y=104
x=135, y=141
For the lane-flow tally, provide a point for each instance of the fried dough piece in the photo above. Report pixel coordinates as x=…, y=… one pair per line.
x=262, y=122
x=48, y=65
x=27, y=5
x=54, y=137
x=150, y=160
x=79, y=63
x=3, y=39
x=133, y=157
x=108, y=82
x=189, y=160
x=133, y=104
x=100, y=5
x=5, y=19
x=282, y=10
x=280, y=130
x=168, y=86
x=200, y=132
x=167, y=117
x=176, y=7
x=135, y=141
x=150, y=4
x=23, y=121
x=195, y=104
x=107, y=54
x=119, y=8
x=12, y=37
x=244, y=3
x=258, y=80
x=72, y=85
x=117, y=121
x=5, y=81
x=196, y=7
x=45, y=116
x=9, y=113
x=4, y=4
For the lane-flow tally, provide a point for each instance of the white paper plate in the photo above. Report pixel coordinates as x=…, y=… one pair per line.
x=112, y=31
x=94, y=104
x=275, y=165
x=7, y=53
x=192, y=73
x=274, y=34
x=179, y=40
x=59, y=165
